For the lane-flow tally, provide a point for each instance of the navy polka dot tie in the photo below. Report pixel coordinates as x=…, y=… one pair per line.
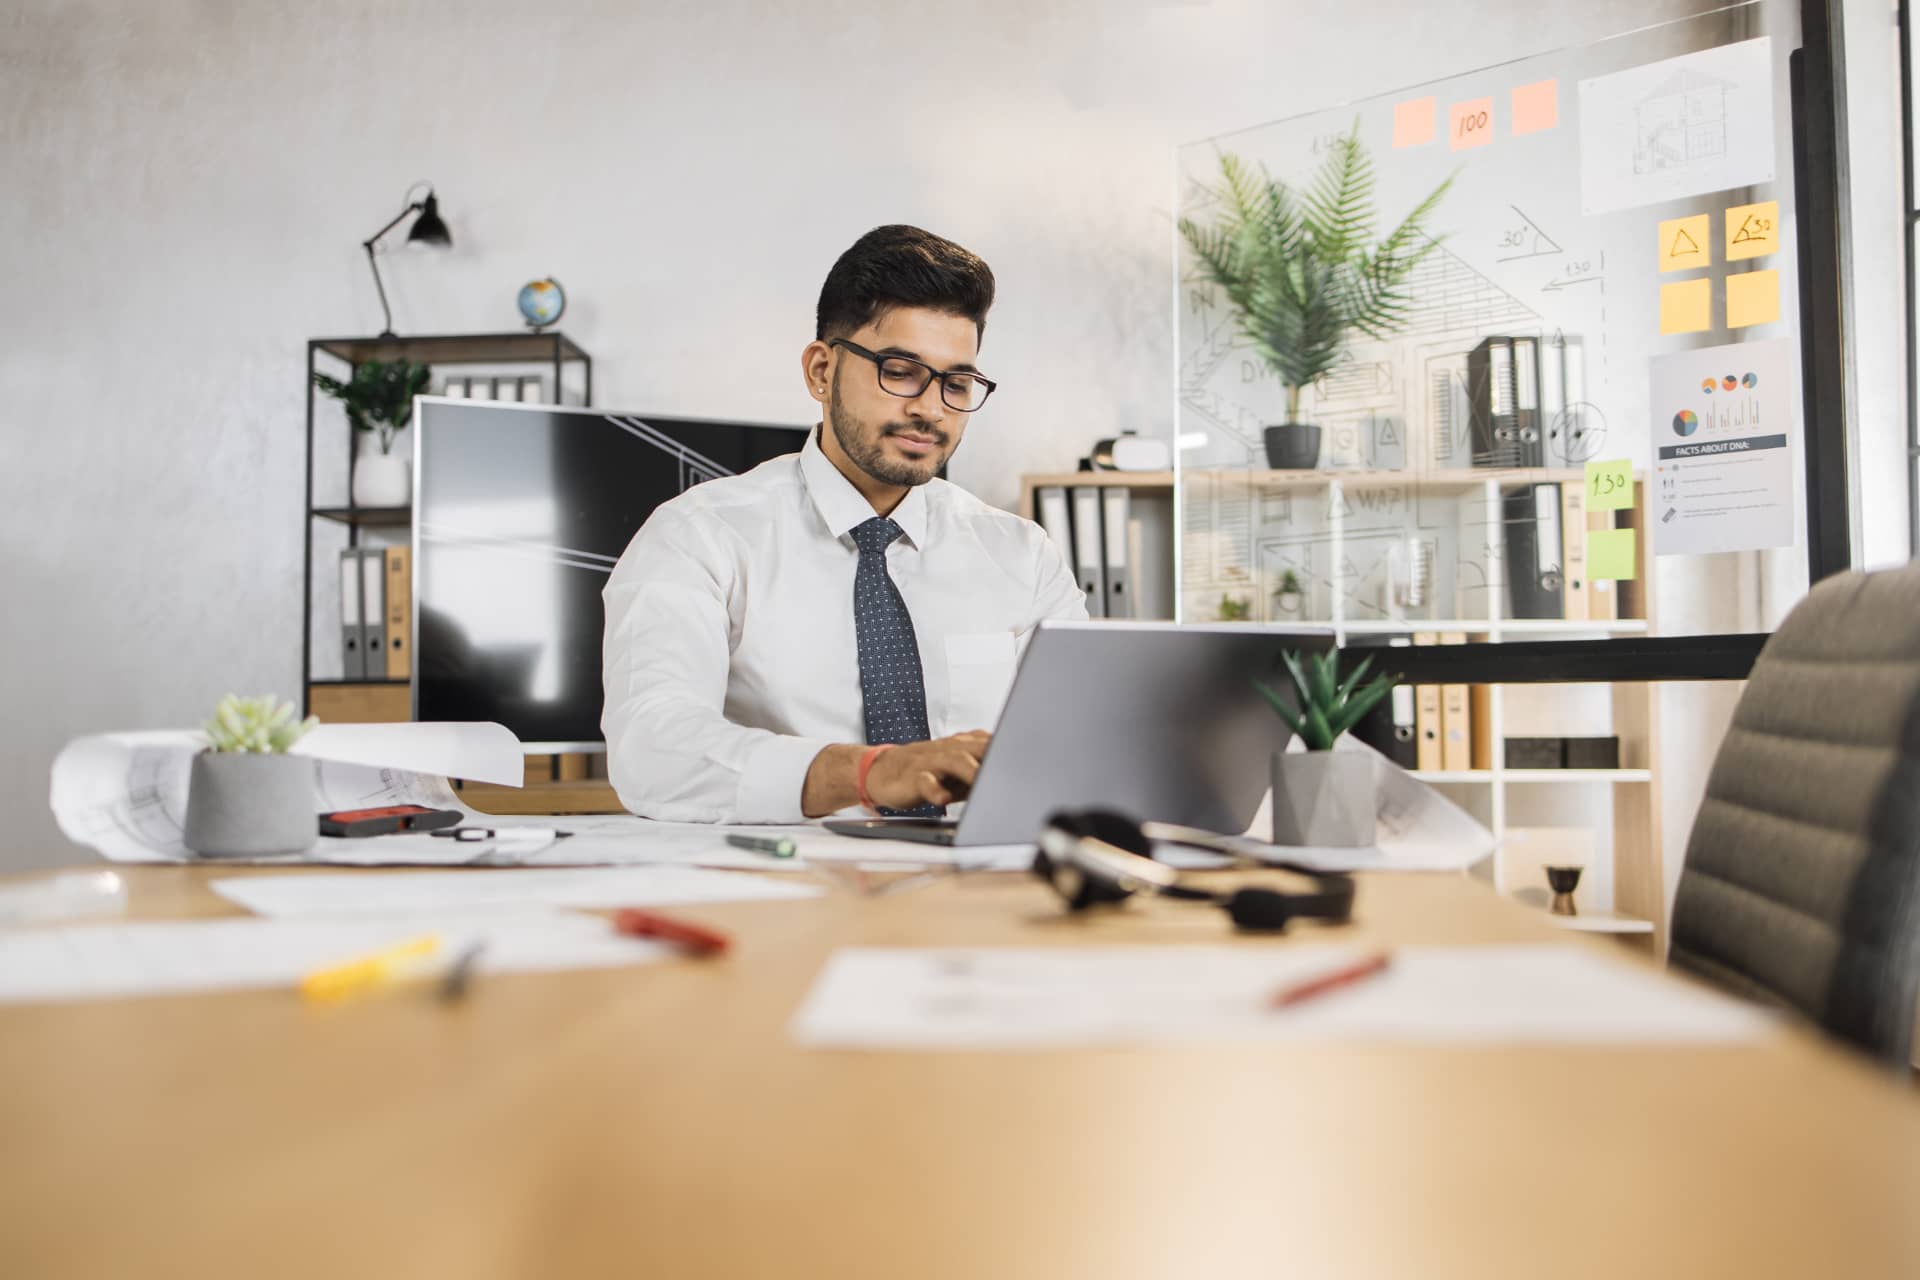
x=891, y=685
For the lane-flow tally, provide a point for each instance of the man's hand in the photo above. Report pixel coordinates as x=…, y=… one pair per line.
x=913, y=773
x=936, y=772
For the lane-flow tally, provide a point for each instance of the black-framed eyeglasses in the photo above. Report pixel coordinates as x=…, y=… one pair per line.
x=906, y=377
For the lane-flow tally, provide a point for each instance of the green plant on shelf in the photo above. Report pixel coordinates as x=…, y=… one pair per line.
x=379, y=396
x=1234, y=609
x=1302, y=268
x=1328, y=706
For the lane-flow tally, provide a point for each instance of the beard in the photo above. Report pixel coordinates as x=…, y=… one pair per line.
x=861, y=441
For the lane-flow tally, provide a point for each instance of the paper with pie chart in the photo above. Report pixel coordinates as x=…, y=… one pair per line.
x=1725, y=434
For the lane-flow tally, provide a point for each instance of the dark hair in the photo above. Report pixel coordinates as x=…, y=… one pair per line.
x=901, y=266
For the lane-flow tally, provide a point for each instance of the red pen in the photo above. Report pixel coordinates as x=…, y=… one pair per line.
x=636, y=923
x=1359, y=971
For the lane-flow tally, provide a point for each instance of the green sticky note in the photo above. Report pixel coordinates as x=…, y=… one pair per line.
x=1610, y=485
x=1610, y=554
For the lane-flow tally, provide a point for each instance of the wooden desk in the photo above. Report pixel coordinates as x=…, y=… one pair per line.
x=657, y=1122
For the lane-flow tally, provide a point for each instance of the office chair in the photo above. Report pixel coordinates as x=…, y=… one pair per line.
x=1801, y=886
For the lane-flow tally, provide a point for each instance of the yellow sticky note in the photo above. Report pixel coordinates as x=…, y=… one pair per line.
x=1686, y=306
x=1686, y=242
x=1413, y=122
x=1470, y=124
x=1610, y=554
x=1536, y=107
x=1753, y=297
x=1753, y=229
x=1610, y=485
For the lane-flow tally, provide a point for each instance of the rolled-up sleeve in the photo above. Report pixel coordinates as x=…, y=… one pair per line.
x=671, y=752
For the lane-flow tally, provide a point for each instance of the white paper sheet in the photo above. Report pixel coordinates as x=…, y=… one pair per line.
x=1034, y=998
x=125, y=794
x=79, y=962
x=1680, y=127
x=387, y=892
x=1724, y=439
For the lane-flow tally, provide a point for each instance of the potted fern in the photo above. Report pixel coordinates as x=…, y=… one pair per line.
x=246, y=797
x=1302, y=271
x=1322, y=797
x=378, y=399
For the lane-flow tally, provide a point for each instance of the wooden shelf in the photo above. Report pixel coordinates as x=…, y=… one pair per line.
x=1102, y=479
x=1600, y=922
x=367, y=517
x=462, y=348
x=589, y=795
x=1577, y=775
x=1460, y=481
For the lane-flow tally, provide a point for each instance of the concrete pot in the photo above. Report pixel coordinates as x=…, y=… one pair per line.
x=1292, y=446
x=1324, y=799
x=382, y=480
x=241, y=805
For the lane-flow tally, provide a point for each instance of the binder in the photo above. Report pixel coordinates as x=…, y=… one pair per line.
x=399, y=572
x=1456, y=724
x=506, y=389
x=1389, y=727
x=1480, y=710
x=1503, y=389
x=1573, y=536
x=1116, y=512
x=1050, y=502
x=1603, y=596
x=353, y=661
x=1535, y=587
x=373, y=612
x=1087, y=548
x=1427, y=715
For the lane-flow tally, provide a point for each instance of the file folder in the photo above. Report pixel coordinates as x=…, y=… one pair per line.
x=353, y=664
x=1051, y=503
x=1088, y=547
x=373, y=612
x=1535, y=584
x=1117, y=513
x=1427, y=715
x=1573, y=537
x=1389, y=727
x=399, y=567
x=1456, y=720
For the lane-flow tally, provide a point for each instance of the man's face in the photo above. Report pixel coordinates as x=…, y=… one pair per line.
x=898, y=440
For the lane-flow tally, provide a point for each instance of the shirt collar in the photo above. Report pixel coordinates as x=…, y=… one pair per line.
x=842, y=507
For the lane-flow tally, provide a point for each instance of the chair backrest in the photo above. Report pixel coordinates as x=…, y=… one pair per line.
x=1802, y=880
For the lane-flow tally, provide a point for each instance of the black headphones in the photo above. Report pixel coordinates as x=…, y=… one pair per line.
x=1097, y=856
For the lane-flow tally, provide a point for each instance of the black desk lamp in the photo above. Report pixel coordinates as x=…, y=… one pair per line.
x=428, y=229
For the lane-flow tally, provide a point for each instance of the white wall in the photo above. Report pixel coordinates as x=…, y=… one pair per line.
x=183, y=187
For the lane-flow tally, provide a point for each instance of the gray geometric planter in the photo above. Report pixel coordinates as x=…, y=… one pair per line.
x=1324, y=799
x=241, y=805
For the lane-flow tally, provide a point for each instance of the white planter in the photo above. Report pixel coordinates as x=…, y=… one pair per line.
x=382, y=480
x=1324, y=799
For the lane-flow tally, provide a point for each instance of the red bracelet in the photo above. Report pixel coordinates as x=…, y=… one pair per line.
x=860, y=774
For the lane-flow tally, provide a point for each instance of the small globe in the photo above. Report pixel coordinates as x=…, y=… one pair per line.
x=541, y=302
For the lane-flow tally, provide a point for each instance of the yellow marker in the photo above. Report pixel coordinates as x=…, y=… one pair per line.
x=369, y=972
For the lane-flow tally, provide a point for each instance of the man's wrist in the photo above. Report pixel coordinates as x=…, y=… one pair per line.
x=831, y=783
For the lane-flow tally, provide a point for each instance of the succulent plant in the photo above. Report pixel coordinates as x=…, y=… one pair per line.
x=1329, y=706
x=262, y=726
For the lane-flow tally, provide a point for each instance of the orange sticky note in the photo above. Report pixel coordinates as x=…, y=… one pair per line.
x=1413, y=122
x=1753, y=297
x=1753, y=229
x=1686, y=242
x=1470, y=124
x=1536, y=107
x=1687, y=306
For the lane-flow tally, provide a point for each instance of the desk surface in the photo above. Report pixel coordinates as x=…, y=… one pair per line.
x=657, y=1121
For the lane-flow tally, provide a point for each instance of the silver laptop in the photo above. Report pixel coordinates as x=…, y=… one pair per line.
x=1158, y=720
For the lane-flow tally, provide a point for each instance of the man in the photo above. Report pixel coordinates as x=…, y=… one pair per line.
x=835, y=627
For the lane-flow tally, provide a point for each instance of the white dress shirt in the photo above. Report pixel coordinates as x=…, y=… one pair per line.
x=730, y=660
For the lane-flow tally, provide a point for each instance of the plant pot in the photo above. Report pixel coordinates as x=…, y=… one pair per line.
x=1293, y=446
x=382, y=480
x=250, y=806
x=1324, y=799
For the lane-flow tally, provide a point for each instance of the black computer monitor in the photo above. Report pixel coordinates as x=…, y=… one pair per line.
x=520, y=512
